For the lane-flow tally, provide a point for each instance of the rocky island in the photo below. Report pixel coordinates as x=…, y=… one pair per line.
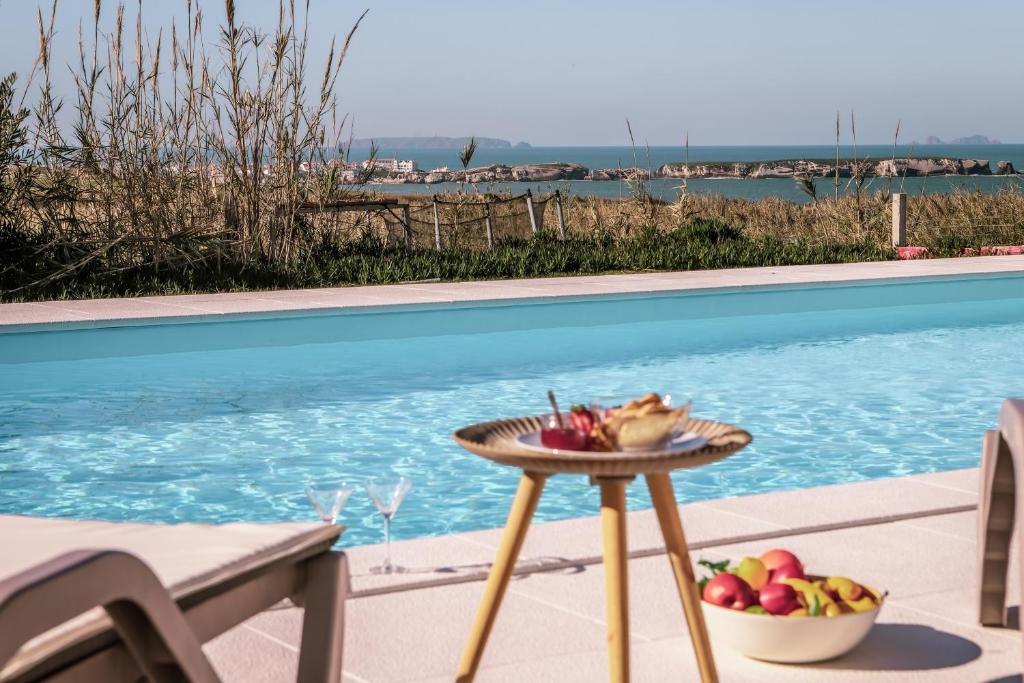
x=784, y=168
x=820, y=168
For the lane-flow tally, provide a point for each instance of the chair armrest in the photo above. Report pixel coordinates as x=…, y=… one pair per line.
x=143, y=612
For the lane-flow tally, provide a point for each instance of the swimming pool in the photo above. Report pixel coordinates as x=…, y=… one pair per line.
x=222, y=421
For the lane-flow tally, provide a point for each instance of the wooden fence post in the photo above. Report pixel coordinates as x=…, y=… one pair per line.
x=561, y=216
x=487, y=223
x=407, y=227
x=899, y=219
x=437, y=225
x=529, y=208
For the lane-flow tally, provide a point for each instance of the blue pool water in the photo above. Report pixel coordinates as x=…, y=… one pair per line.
x=226, y=421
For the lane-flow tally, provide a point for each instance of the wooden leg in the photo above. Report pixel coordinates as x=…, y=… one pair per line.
x=523, y=507
x=616, y=585
x=664, y=499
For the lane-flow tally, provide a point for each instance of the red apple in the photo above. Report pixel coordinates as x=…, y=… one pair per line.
x=773, y=559
x=729, y=590
x=786, y=571
x=779, y=598
x=564, y=439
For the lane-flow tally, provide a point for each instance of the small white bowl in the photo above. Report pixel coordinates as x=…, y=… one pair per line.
x=789, y=640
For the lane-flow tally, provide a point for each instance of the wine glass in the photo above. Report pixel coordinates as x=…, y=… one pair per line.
x=328, y=499
x=387, y=494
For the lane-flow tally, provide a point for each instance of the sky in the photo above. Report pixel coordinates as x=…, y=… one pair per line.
x=555, y=72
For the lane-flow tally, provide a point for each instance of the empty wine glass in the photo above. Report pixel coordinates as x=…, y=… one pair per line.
x=387, y=494
x=328, y=499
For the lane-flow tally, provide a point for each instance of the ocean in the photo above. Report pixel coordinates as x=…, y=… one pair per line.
x=668, y=188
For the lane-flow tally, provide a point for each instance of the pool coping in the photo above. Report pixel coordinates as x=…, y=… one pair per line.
x=87, y=313
x=913, y=537
x=465, y=557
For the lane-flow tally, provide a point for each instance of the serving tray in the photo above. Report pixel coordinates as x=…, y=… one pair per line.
x=498, y=441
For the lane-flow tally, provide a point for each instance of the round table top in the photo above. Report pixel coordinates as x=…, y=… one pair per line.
x=496, y=441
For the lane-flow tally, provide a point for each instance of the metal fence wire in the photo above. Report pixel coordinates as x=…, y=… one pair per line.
x=469, y=221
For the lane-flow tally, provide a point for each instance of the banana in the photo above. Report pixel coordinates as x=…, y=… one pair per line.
x=861, y=605
x=851, y=594
x=810, y=592
x=847, y=589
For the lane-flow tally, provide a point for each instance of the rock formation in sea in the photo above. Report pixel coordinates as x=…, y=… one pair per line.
x=494, y=173
x=787, y=168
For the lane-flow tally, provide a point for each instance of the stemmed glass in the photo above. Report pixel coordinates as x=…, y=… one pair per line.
x=328, y=499
x=387, y=494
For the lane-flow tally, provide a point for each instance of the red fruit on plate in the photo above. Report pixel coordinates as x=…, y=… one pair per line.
x=779, y=598
x=773, y=559
x=729, y=590
x=564, y=439
x=786, y=571
x=582, y=419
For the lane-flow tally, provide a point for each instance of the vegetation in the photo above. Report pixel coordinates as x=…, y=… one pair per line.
x=192, y=160
x=700, y=244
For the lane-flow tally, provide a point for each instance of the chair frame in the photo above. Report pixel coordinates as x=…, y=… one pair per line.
x=999, y=509
x=156, y=636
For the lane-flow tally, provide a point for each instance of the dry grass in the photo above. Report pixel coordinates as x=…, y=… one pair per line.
x=937, y=220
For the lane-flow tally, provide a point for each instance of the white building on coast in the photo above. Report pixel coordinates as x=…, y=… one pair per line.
x=393, y=165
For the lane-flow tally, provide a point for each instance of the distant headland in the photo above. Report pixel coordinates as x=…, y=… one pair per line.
x=968, y=140
x=435, y=142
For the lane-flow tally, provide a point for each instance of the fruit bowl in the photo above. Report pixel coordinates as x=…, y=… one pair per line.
x=790, y=640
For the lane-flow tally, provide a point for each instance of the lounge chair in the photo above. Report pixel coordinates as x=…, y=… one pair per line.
x=89, y=601
x=999, y=505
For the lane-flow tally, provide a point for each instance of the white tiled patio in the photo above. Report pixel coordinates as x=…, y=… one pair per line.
x=914, y=536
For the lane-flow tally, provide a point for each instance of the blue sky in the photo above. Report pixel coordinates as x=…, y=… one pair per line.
x=560, y=72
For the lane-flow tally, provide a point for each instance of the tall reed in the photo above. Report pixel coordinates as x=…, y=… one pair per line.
x=180, y=144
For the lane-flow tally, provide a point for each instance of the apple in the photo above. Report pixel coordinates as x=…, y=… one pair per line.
x=564, y=439
x=775, y=558
x=753, y=571
x=779, y=598
x=729, y=590
x=786, y=571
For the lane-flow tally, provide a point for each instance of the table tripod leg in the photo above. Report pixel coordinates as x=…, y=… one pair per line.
x=523, y=507
x=613, y=527
x=660, y=486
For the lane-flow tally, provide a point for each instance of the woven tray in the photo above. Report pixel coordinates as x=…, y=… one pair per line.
x=497, y=441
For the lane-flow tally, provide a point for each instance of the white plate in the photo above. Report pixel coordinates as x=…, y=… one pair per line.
x=688, y=441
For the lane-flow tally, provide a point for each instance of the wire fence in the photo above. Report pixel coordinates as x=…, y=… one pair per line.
x=480, y=221
x=458, y=221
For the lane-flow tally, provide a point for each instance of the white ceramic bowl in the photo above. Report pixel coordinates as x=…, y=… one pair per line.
x=791, y=640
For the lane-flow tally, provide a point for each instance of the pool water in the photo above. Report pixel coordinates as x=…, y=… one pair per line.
x=227, y=421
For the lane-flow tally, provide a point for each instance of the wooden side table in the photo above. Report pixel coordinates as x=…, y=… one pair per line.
x=612, y=472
